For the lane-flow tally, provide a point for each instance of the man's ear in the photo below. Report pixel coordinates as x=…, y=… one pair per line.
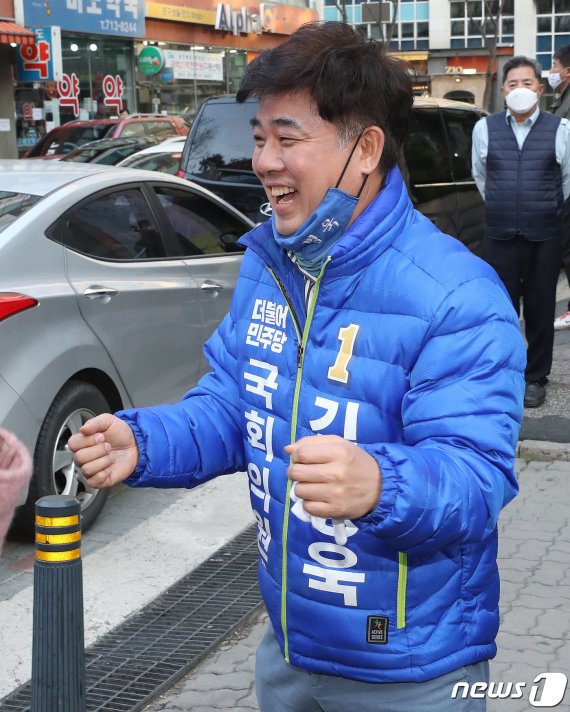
x=371, y=149
x=540, y=90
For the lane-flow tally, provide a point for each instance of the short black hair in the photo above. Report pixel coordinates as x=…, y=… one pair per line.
x=563, y=55
x=521, y=61
x=351, y=79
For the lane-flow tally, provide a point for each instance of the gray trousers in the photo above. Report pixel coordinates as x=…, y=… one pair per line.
x=283, y=688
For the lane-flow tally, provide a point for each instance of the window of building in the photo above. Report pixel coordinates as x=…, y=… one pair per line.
x=181, y=89
x=552, y=29
x=468, y=18
x=409, y=31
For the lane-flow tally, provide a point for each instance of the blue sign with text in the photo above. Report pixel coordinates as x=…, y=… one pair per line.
x=124, y=18
x=42, y=60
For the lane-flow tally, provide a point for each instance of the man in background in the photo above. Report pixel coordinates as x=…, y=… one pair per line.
x=521, y=164
x=559, y=80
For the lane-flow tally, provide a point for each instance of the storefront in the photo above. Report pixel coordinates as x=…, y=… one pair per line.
x=81, y=66
x=461, y=75
x=417, y=61
x=12, y=36
x=202, y=51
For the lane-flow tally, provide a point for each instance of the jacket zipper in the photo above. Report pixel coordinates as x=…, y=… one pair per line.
x=402, y=584
x=300, y=358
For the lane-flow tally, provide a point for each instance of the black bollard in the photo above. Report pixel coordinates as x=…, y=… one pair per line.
x=58, y=653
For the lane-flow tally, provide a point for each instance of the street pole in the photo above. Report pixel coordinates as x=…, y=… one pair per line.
x=58, y=654
x=195, y=87
x=90, y=82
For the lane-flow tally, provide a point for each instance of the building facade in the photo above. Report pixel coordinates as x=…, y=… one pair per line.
x=12, y=36
x=91, y=59
x=445, y=36
x=203, y=50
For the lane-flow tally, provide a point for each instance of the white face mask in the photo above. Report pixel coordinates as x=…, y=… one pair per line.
x=521, y=100
x=554, y=79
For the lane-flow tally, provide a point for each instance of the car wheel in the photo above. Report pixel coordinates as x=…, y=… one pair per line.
x=54, y=469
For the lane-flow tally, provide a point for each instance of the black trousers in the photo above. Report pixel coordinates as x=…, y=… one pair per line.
x=529, y=271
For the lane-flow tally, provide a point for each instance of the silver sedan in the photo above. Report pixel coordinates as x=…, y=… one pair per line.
x=111, y=279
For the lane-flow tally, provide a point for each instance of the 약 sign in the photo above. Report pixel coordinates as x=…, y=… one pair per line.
x=42, y=60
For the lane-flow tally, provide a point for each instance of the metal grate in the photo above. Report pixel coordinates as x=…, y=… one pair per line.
x=153, y=649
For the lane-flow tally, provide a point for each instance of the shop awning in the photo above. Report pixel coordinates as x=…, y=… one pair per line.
x=11, y=32
x=412, y=56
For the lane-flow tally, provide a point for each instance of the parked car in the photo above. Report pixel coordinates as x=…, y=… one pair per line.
x=436, y=162
x=65, y=138
x=109, y=151
x=164, y=156
x=111, y=281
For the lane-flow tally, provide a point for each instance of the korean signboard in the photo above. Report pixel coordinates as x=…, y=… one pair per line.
x=195, y=65
x=150, y=60
x=266, y=17
x=68, y=90
x=113, y=91
x=41, y=62
x=124, y=18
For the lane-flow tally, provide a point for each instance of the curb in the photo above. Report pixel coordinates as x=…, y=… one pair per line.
x=543, y=450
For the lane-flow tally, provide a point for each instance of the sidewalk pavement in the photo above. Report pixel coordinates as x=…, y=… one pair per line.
x=534, y=563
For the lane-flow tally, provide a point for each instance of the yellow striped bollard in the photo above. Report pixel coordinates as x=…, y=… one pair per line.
x=58, y=654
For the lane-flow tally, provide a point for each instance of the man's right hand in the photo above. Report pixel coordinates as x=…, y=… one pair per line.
x=106, y=450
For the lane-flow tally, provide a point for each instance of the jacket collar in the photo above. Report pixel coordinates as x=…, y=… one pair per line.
x=367, y=237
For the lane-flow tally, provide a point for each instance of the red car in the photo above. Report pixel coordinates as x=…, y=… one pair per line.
x=63, y=139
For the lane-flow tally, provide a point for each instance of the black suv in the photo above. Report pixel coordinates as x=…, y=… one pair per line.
x=436, y=162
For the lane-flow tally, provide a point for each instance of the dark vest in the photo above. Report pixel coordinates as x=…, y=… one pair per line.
x=523, y=188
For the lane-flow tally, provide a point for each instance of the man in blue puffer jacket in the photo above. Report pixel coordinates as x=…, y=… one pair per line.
x=369, y=377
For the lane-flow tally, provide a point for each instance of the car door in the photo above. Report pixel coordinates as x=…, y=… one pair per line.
x=428, y=169
x=205, y=231
x=470, y=217
x=142, y=304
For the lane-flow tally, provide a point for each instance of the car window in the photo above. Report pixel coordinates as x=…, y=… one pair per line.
x=113, y=226
x=459, y=124
x=164, y=162
x=133, y=128
x=12, y=205
x=81, y=155
x=112, y=156
x=201, y=226
x=222, y=144
x=425, y=149
x=158, y=129
x=66, y=138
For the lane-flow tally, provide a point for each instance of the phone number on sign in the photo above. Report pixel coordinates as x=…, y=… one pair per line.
x=118, y=25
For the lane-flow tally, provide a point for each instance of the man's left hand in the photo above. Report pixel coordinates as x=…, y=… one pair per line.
x=335, y=478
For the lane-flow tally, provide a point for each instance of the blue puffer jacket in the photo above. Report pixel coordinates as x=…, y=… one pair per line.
x=411, y=349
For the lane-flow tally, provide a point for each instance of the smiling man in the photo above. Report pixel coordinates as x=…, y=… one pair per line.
x=369, y=378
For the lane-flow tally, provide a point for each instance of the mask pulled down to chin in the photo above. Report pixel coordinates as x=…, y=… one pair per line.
x=521, y=100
